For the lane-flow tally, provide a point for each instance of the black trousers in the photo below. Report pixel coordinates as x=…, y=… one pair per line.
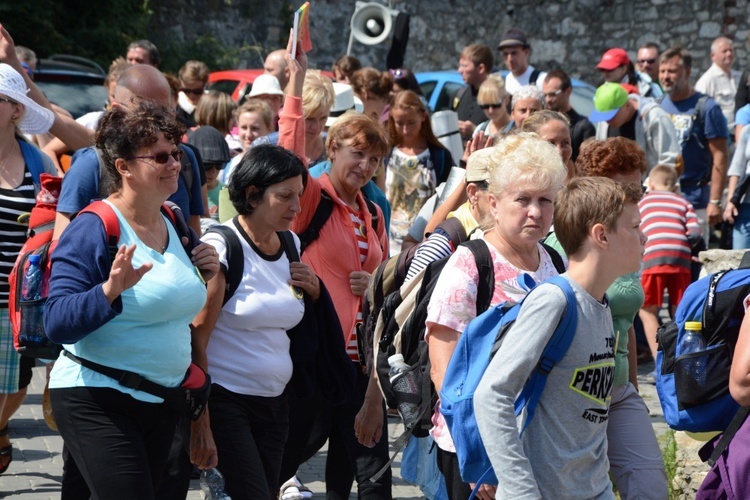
x=119, y=444
x=250, y=433
x=313, y=421
x=448, y=466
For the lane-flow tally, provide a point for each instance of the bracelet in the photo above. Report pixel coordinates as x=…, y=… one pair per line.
x=716, y=202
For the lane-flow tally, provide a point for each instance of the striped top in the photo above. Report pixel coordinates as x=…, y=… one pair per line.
x=358, y=226
x=670, y=223
x=13, y=202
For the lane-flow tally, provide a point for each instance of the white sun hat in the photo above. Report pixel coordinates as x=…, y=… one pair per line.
x=266, y=84
x=36, y=119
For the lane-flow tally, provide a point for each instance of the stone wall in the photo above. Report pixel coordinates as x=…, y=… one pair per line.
x=569, y=34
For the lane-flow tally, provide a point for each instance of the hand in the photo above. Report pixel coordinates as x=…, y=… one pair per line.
x=205, y=258
x=730, y=212
x=299, y=63
x=304, y=278
x=368, y=424
x=486, y=491
x=466, y=128
x=358, y=280
x=8, y=49
x=479, y=141
x=202, y=446
x=714, y=214
x=123, y=275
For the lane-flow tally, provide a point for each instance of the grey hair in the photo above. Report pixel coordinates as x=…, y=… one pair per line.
x=527, y=92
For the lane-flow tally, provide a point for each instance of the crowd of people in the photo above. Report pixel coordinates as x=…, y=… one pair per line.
x=294, y=197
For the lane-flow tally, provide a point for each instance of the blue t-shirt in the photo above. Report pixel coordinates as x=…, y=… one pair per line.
x=743, y=115
x=81, y=186
x=694, y=141
x=371, y=191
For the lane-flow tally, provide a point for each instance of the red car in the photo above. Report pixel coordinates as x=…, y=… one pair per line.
x=238, y=82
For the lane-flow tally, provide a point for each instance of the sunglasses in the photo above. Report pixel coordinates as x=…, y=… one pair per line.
x=194, y=91
x=161, y=158
x=496, y=105
x=646, y=61
x=217, y=166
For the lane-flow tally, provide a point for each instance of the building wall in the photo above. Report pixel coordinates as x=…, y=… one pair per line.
x=569, y=34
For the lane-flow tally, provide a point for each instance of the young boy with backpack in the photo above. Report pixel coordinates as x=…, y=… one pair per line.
x=563, y=451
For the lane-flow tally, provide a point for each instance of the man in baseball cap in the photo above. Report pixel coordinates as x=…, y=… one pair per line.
x=515, y=50
x=615, y=66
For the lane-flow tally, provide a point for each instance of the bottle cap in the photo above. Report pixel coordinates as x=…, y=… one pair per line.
x=396, y=359
x=35, y=259
x=693, y=325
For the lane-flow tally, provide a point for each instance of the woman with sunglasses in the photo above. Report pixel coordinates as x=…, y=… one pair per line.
x=131, y=312
x=492, y=98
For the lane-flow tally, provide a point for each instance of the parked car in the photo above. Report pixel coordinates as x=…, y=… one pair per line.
x=238, y=82
x=73, y=83
x=440, y=87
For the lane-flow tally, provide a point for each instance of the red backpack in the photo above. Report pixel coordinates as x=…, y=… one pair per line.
x=26, y=316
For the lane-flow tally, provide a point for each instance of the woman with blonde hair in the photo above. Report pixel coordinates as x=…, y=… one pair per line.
x=492, y=98
x=527, y=172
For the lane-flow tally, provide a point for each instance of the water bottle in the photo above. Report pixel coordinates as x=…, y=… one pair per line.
x=32, y=317
x=212, y=485
x=693, y=341
x=404, y=383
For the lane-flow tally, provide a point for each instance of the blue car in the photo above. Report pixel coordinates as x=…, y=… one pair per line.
x=440, y=87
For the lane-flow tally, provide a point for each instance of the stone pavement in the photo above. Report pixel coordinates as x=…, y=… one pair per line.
x=36, y=471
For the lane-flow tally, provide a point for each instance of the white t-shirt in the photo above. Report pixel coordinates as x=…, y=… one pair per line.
x=513, y=83
x=248, y=352
x=90, y=120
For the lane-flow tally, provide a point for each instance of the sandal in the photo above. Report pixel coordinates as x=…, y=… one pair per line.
x=294, y=490
x=6, y=452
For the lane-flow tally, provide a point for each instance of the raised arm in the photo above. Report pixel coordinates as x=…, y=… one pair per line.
x=291, y=122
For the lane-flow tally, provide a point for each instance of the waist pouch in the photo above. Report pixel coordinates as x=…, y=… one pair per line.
x=188, y=399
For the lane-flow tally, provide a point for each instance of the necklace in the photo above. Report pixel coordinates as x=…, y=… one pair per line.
x=160, y=248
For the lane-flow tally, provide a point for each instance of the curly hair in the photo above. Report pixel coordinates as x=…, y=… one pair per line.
x=122, y=133
x=616, y=155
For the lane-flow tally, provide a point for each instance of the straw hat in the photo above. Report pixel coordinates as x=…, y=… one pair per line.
x=36, y=119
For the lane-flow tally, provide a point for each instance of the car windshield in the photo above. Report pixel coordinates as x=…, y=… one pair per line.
x=78, y=98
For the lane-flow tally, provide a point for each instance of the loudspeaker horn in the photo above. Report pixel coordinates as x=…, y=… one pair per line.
x=371, y=23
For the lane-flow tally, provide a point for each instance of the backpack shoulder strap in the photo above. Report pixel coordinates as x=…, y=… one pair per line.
x=111, y=225
x=534, y=76
x=290, y=249
x=235, y=259
x=33, y=159
x=486, y=269
x=322, y=213
x=174, y=214
x=186, y=172
x=373, y=212
x=699, y=113
x=553, y=352
x=557, y=259
x=459, y=96
x=455, y=231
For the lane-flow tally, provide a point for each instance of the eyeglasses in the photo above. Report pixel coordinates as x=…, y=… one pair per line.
x=217, y=166
x=496, y=105
x=646, y=61
x=161, y=158
x=194, y=91
x=555, y=93
x=5, y=99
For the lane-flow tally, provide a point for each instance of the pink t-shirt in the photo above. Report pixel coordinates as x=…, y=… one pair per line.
x=453, y=303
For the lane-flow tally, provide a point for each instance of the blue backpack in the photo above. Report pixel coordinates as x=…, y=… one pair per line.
x=704, y=405
x=474, y=350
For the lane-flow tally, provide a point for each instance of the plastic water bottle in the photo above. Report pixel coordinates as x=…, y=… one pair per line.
x=212, y=485
x=403, y=383
x=691, y=342
x=32, y=319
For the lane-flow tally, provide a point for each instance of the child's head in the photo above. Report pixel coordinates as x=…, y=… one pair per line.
x=587, y=201
x=662, y=178
x=254, y=119
x=408, y=119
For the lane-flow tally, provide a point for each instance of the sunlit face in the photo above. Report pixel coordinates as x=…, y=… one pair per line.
x=408, y=123
x=555, y=97
x=522, y=215
x=494, y=109
x=557, y=133
x=280, y=203
x=648, y=61
x=627, y=241
x=723, y=56
x=516, y=59
x=673, y=76
x=10, y=111
x=352, y=167
x=147, y=174
x=315, y=124
x=471, y=73
x=615, y=75
x=138, y=55
x=250, y=126
x=523, y=109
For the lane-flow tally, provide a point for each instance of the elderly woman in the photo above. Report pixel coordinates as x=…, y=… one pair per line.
x=526, y=100
x=131, y=312
x=248, y=353
x=553, y=127
x=19, y=182
x=526, y=174
x=491, y=97
x=635, y=460
x=352, y=243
